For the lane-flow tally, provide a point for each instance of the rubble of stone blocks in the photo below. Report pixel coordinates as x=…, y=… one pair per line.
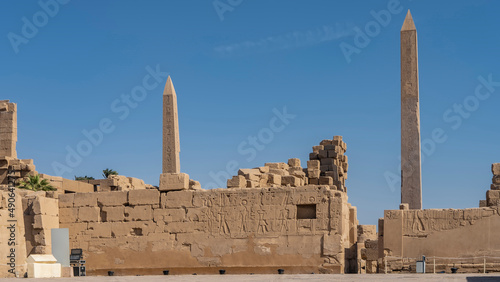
x=289, y=174
x=367, y=247
x=328, y=164
x=16, y=167
x=493, y=195
x=118, y=183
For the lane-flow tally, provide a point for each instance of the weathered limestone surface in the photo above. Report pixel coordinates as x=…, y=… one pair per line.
x=448, y=233
x=18, y=232
x=296, y=228
x=411, y=179
x=8, y=129
x=171, y=144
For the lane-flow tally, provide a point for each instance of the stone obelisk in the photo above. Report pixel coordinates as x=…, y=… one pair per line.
x=411, y=178
x=171, y=177
x=171, y=145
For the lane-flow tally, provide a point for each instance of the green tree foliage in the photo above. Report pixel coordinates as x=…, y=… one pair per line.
x=35, y=183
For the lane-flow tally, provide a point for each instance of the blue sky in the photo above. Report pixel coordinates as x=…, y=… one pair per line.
x=234, y=64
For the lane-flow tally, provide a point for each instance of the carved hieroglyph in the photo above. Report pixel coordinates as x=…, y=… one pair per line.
x=171, y=145
x=411, y=179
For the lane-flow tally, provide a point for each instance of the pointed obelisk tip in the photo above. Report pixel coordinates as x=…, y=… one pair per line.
x=408, y=23
x=169, y=87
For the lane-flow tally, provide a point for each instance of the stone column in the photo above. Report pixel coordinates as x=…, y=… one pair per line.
x=411, y=178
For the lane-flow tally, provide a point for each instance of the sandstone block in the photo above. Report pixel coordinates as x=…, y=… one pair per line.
x=483, y=203
x=496, y=179
x=290, y=180
x=281, y=172
x=85, y=199
x=252, y=177
x=263, y=169
x=313, y=173
x=294, y=162
x=404, y=206
x=325, y=180
x=495, y=169
x=138, y=213
x=169, y=215
x=194, y=185
x=317, y=148
x=274, y=179
x=144, y=197
x=66, y=200
x=115, y=198
x=264, y=179
x=100, y=229
x=174, y=181
x=237, y=181
x=68, y=215
x=314, y=181
x=313, y=164
x=45, y=206
x=89, y=214
x=113, y=213
x=495, y=187
x=333, y=174
x=136, y=183
x=313, y=156
x=327, y=161
x=326, y=142
x=177, y=199
x=492, y=197
x=252, y=184
x=322, y=154
x=244, y=171
x=332, y=154
x=277, y=165
x=45, y=221
x=332, y=244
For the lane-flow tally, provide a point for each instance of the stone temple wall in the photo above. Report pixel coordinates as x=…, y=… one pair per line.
x=301, y=229
x=452, y=235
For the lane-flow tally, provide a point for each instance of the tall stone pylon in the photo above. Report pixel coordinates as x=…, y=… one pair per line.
x=171, y=144
x=411, y=177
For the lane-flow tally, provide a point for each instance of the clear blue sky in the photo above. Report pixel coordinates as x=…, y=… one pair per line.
x=233, y=67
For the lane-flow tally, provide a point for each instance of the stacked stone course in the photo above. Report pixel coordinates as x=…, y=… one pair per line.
x=493, y=195
x=328, y=164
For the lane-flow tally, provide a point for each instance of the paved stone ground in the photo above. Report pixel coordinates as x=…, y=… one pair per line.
x=292, y=277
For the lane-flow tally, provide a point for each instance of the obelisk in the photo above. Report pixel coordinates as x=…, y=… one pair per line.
x=171, y=145
x=411, y=178
x=171, y=178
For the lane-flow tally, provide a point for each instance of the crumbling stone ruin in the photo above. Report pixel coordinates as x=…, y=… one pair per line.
x=327, y=166
x=277, y=216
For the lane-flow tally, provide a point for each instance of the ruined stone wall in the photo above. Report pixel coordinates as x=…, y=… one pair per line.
x=442, y=233
x=12, y=239
x=302, y=229
x=8, y=129
x=327, y=165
